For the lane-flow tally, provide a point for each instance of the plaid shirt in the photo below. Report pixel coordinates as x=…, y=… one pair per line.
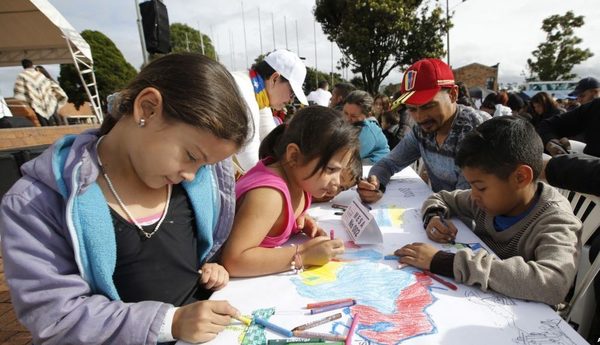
x=439, y=160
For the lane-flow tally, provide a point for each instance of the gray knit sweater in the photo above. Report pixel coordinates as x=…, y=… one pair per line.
x=536, y=258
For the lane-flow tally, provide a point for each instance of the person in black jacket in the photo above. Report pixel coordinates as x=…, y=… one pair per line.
x=582, y=120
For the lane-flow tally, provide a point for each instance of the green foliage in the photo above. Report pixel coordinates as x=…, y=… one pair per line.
x=112, y=71
x=555, y=58
x=187, y=39
x=312, y=75
x=377, y=36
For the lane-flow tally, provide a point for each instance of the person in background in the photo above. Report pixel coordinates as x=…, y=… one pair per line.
x=583, y=122
x=587, y=89
x=393, y=129
x=121, y=227
x=297, y=162
x=373, y=144
x=321, y=95
x=57, y=92
x=381, y=104
x=430, y=95
x=34, y=88
x=544, y=107
x=339, y=93
x=464, y=97
x=269, y=84
x=529, y=225
x=495, y=104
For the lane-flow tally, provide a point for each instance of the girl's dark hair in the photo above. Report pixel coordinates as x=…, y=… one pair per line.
x=43, y=71
x=195, y=90
x=320, y=132
x=548, y=103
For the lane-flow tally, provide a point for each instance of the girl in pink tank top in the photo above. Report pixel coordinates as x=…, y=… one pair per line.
x=301, y=159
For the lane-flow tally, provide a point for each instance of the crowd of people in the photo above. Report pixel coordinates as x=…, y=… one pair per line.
x=195, y=176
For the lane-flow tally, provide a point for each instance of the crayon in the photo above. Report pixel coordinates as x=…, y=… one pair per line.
x=338, y=213
x=324, y=303
x=272, y=327
x=391, y=257
x=348, y=340
x=440, y=280
x=332, y=307
x=332, y=234
x=243, y=319
x=443, y=220
x=340, y=207
x=317, y=322
x=326, y=336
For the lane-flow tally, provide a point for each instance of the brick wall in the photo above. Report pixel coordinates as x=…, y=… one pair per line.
x=18, y=138
x=477, y=75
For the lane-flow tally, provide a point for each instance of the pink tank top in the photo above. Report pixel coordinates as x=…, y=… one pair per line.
x=261, y=176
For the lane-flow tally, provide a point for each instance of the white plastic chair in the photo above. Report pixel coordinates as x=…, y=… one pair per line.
x=577, y=146
x=581, y=308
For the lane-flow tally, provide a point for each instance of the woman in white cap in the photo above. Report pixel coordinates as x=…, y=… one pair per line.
x=269, y=84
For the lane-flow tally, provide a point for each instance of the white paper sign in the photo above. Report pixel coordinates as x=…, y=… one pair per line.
x=360, y=224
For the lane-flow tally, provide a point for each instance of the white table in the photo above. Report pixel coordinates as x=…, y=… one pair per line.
x=395, y=305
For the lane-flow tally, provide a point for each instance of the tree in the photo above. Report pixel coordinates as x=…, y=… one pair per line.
x=377, y=36
x=555, y=58
x=187, y=39
x=112, y=71
x=312, y=75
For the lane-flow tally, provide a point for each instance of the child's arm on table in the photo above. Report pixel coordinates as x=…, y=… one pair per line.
x=258, y=212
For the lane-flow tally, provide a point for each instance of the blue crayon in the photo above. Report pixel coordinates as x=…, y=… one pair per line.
x=273, y=327
x=391, y=257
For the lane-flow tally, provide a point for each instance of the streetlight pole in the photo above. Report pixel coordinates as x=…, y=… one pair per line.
x=448, y=31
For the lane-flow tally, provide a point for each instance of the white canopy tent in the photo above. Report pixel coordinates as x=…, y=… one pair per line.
x=34, y=29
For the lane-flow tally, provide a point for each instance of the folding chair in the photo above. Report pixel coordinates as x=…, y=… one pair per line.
x=580, y=310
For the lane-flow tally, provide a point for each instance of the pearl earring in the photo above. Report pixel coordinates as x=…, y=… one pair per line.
x=142, y=123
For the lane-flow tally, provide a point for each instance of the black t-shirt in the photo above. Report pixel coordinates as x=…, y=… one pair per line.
x=164, y=267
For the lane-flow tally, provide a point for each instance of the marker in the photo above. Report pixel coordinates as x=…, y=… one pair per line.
x=317, y=322
x=245, y=320
x=325, y=303
x=326, y=336
x=339, y=206
x=332, y=234
x=391, y=257
x=352, y=329
x=272, y=327
x=339, y=213
x=306, y=341
x=332, y=307
x=443, y=220
x=366, y=205
x=440, y=280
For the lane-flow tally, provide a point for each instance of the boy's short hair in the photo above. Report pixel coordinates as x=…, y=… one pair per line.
x=499, y=145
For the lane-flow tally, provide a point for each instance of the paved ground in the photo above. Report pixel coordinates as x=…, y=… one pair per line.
x=11, y=331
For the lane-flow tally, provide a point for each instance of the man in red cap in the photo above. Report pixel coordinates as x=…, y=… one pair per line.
x=429, y=92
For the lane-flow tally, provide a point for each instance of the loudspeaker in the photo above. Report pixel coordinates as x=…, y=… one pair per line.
x=155, y=22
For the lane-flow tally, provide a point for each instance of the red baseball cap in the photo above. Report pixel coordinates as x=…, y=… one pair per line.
x=422, y=81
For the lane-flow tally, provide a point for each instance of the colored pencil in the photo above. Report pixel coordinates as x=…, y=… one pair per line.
x=332, y=307
x=440, y=280
x=326, y=336
x=324, y=303
x=273, y=327
x=317, y=322
x=348, y=340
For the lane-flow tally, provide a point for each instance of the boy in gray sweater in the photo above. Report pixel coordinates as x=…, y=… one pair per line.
x=528, y=224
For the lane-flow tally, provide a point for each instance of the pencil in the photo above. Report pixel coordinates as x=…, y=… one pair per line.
x=274, y=328
x=348, y=340
x=324, y=303
x=326, y=336
x=440, y=280
x=332, y=307
x=317, y=322
x=443, y=220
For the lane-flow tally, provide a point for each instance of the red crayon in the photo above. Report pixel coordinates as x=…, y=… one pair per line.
x=352, y=329
x=440, y=280
x=332, y=234
x=326, y=303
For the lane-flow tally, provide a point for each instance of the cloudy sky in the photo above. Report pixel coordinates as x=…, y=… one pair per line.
x=485, y=31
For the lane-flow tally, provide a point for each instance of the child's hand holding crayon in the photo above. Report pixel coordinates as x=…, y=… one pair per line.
x=320, y=250
x=213, y=276
x=441, y=230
